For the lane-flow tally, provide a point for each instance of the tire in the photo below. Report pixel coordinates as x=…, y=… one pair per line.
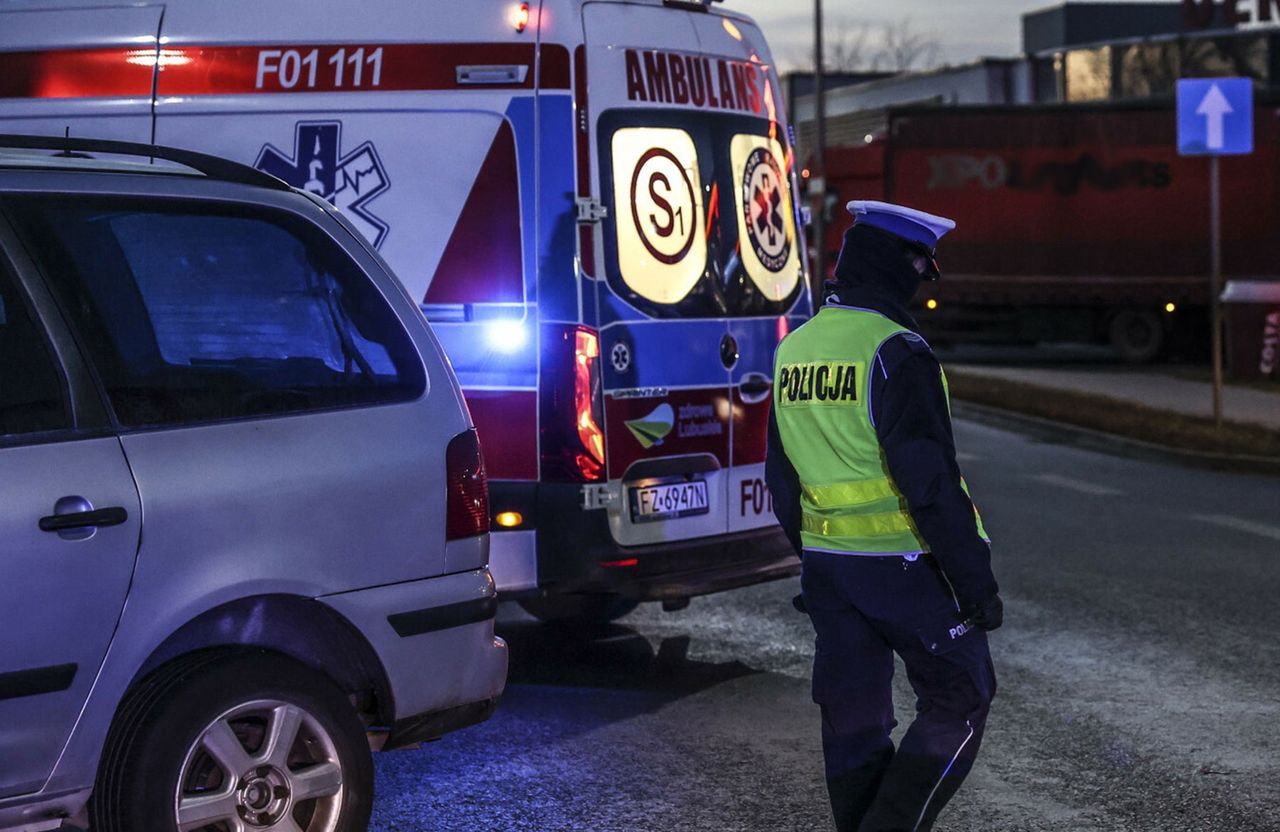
x=178, y=738
x=1137, y=335
x=579, y=609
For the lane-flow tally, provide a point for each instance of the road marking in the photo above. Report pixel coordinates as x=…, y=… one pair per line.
x=965, y=456
x=1074, y=484
x=1226, y=521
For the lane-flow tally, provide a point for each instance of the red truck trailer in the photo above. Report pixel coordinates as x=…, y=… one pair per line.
x=1075, y=222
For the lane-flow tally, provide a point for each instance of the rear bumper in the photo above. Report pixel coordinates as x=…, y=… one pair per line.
x=435, y=640
x=571, y=550
x=697, y=567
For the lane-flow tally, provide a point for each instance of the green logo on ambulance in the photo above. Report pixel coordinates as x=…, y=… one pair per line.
x=650, y=430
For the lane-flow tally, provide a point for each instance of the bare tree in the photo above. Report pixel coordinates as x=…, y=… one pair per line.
x=903, y=48
x=859, y=46
x=846, y=48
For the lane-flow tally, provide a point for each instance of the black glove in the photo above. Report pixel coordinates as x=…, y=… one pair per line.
x=987, y=614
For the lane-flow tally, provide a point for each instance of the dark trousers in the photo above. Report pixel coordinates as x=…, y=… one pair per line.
x=865, y=609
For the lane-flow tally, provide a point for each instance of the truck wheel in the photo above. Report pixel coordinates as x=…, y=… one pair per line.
x=235, y=741
x=582, y=609
x=1137, y=335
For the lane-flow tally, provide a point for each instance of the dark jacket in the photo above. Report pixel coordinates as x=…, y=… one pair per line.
x=912, y=421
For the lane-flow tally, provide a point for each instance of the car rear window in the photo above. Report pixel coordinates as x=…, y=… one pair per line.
x=32, y=394
x=213, y=312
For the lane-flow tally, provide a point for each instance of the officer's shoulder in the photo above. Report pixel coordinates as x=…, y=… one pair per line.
x=902, y=347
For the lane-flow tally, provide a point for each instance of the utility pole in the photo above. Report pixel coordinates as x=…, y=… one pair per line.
x=818, y=173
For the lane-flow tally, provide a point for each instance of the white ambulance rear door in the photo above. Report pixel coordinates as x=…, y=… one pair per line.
x=667, y=416
x=85, y=69
x=688, y=126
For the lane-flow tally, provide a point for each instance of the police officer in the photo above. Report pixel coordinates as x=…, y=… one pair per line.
x=863, y=472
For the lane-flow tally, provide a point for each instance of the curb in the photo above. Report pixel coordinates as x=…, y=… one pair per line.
x=1114, y=444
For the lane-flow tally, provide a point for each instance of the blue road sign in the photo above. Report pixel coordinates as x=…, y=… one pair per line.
x=1215, y=116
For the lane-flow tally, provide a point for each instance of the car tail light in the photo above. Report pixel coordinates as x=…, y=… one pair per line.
x=572, y=406
x=467, y=512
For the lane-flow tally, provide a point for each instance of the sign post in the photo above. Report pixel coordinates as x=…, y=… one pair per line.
x=1215, y=118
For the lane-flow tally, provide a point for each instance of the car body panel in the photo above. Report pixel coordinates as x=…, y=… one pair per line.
x=62, y=596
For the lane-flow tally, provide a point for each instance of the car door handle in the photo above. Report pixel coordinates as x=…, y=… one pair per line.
x=112, y=516
x=754, y=387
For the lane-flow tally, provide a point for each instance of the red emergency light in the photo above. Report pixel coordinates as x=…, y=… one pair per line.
x=520, y=17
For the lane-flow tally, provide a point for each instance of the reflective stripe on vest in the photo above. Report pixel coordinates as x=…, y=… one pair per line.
x=849, y=493
x=859, y=525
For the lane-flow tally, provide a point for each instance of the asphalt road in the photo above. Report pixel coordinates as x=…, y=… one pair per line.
x=1139, y=680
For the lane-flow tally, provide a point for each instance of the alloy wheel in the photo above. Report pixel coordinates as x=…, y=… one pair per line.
x=263, y=766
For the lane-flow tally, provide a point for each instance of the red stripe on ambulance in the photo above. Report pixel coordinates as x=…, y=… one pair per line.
x=507, y=423
x=77, y=73
x=393, y=67
x=482, y=261
x=231, y=70
x=750, y=431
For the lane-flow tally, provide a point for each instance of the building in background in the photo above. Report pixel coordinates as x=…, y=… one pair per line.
x=1126, y=51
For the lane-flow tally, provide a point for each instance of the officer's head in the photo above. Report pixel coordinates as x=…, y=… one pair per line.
x=917, y=233
x=892, y=247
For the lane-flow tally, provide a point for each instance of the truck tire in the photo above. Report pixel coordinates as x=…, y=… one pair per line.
x=1137, y=335
x=234, y=740
x=579, y=609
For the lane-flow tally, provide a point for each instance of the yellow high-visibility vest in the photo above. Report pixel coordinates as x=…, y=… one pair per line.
x=821, y=399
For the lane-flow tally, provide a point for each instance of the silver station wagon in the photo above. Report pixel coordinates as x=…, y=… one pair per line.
x=243, y=512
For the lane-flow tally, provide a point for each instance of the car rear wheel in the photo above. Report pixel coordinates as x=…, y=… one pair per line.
x=581, y=609
x=235, y=743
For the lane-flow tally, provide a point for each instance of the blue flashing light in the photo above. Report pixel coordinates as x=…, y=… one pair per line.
x=506, y=336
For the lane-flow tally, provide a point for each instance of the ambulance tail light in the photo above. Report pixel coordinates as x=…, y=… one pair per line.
x=572, y=409
x=467, y=488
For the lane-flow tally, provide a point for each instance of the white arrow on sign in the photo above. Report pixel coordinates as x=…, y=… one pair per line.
x=1214, y=108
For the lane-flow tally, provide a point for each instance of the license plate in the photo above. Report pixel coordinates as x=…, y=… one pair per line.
x=665, y=500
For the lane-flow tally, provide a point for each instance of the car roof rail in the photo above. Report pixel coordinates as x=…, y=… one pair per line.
x=214, y=167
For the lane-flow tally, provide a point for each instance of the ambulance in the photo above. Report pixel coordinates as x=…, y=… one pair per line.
x=592, y=200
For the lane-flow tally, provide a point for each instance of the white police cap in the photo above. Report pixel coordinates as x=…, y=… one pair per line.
x=911, y=225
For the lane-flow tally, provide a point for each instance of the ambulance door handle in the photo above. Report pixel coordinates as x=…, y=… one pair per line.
x=754, y=388
x=492, y=74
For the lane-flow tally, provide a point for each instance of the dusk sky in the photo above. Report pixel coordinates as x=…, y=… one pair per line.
x=964, y=29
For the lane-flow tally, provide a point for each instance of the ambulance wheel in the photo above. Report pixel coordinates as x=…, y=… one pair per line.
x=581, y=609
x=234, y=740
x=1137, y=335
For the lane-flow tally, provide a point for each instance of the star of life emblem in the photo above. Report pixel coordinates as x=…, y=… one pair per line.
x=350, y=181
x=620, y=355
x=762, y=184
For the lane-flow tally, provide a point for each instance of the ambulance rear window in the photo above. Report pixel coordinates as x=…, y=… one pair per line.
x=701, y=220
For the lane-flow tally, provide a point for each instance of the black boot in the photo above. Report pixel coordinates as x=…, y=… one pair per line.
x=852, y=792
